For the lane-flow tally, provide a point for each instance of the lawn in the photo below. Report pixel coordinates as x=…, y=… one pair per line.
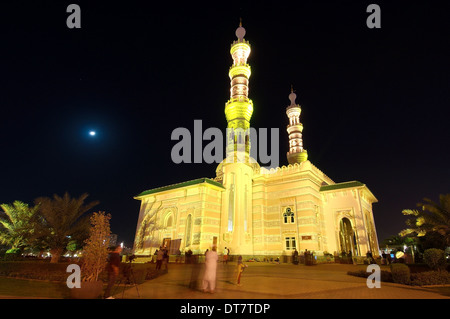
x=24, y=288
x=38, y=279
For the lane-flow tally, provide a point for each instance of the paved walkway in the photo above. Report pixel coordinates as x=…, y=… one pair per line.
x=273, y=281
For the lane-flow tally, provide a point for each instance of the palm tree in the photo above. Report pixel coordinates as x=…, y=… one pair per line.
x=434, y=217
x=61, y=219
x=16, y=223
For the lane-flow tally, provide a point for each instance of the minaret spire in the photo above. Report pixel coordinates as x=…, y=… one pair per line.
x=297, y=153
x=239, y=108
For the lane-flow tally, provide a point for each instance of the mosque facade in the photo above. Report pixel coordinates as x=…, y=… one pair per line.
x=253, y=211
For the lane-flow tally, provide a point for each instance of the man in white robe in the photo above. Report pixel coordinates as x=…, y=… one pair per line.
x=209, y=278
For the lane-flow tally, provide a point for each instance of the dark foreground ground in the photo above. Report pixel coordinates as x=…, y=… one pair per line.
x=275, y=281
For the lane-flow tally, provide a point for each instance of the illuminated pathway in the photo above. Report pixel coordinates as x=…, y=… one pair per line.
x=272, y=281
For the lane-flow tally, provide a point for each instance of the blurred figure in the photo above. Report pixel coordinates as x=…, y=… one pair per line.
x=113, y=269
x=195, y=271
x=225, y=255
x=209, y=278
x=240, y=269
x=165, y=259
x=295, y=257
x=159, y=258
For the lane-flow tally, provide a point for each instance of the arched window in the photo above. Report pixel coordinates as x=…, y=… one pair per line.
x=289, y=216
x=168, y=221
x=188, y=229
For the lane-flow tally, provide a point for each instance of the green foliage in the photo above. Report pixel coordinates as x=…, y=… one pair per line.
x=435, y=259
x=95, y=252
x=433, y=239
x=394, y=240
x=13, y=251
x=400, y=274
x=61, y=219
x=431, y=217
x=72, y=246
x=16, y=224
x=431, y=278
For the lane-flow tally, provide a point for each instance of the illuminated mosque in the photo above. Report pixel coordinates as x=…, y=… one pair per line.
x=253, y=211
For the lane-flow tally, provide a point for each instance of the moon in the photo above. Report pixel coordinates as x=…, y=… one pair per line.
x=92, y=133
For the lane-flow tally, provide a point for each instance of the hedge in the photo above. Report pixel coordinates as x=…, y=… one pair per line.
x=431, y=278
x=400, y=275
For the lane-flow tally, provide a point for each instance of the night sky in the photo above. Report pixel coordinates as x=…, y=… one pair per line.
x=374, y=101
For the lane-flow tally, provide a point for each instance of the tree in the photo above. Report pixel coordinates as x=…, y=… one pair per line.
x=399, y=242
x=433, y=217
x=432, y=239
x=95, y=252
x=60, y=220
x=17, y=225
x=394, y=241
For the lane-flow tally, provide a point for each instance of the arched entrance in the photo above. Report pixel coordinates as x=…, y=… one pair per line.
x=347, y=237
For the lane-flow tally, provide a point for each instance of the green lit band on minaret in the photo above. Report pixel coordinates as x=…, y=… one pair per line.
x=239, y=108
x=297, y=153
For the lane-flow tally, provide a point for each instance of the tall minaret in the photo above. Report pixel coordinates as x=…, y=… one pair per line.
x=297, y=153
x=236, y=209
x=239, y=108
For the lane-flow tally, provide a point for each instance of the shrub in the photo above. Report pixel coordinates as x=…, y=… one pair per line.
x=400, y=274
x=95, y=252
x=13, y=254
x=431, y=278
x=435, y=258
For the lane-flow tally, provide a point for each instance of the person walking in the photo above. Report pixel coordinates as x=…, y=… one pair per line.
x=209, y=278
x=113, y=269
x=165, y=259
x=240, y=269
x=295, y=257
x=159, y=258
x=225, y=255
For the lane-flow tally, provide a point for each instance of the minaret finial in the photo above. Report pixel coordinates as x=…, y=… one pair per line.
x=292, y=96
x=240, y=31
x=296, y=154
